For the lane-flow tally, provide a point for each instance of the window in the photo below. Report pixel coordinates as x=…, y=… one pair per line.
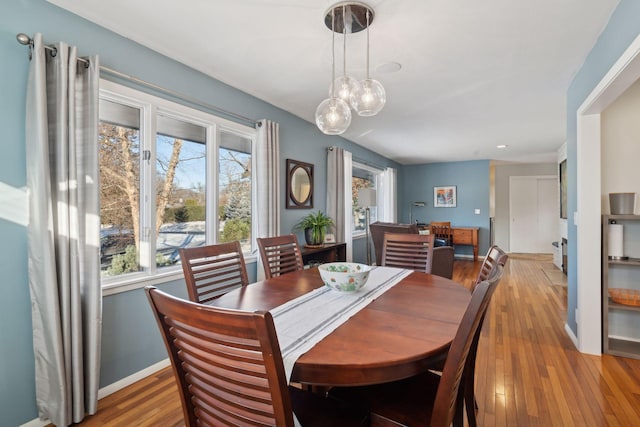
x=171, y=177
x=363, y=176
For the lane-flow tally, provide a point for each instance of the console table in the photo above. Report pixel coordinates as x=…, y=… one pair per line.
x=462, y=236
x=466, y=236
x=329, y=252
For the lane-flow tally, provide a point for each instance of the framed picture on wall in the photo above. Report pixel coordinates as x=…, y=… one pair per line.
x=445, y=197
x=563, y=188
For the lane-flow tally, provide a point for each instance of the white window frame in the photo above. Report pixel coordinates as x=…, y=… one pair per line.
x=150, y=106
x=378, y=174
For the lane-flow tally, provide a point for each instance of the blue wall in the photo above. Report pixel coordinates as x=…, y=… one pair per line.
x=622, y=29
x=128, y=344
x=472, y=185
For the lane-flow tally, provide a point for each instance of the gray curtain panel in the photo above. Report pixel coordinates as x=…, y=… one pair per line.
x=63, y=231
x=339, y=201
x=389, y=201
x=268, y=183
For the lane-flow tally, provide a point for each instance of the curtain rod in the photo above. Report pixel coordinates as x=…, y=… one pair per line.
x=28, y=41
x=368, y=163
x=362, y=161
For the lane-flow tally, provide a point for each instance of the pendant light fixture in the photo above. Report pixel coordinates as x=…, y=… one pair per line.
x=367, y=97
x=371, y=96
x=333, y=115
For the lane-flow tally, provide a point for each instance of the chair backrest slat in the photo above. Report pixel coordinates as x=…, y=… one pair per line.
x=412, y=251
x=227, y=363
x=280, y=255
x=213, y=270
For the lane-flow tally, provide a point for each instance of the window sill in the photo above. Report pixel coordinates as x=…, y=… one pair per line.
x=140, y=281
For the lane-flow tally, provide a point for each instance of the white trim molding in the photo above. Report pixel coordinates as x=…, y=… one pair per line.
x=619, y=78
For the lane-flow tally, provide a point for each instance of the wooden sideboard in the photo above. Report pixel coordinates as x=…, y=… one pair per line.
x=466, y=236
x=329, y=252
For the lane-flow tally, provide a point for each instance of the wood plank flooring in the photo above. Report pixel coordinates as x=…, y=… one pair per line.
x=529, y=372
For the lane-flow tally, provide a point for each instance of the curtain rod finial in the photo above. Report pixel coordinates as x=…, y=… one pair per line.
x=23, y=38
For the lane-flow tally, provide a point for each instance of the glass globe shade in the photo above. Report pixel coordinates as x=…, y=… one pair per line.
x=370, y=99
x=333, y=116
x=344, y=86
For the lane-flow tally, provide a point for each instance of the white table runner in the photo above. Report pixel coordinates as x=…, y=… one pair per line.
x=304, y=321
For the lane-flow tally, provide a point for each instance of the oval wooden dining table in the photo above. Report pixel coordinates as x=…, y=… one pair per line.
x=401, y=333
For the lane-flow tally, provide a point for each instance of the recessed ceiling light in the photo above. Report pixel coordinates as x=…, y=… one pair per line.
x=388, y=67
x=502, y=146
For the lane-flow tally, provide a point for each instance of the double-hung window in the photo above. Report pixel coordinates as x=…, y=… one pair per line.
x=171, y=177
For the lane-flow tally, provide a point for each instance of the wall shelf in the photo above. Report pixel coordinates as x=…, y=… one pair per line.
x=612, y=342
x=625, y=348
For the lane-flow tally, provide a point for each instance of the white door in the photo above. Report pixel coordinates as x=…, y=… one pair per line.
x=534, y=214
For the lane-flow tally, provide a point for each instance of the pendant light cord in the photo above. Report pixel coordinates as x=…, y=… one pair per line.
x=333, y=50
x=368, y=44
x=344, y=37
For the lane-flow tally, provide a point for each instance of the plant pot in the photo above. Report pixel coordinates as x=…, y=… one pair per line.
x=313, y=239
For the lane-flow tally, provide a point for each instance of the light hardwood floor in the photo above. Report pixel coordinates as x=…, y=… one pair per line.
x=529, y=372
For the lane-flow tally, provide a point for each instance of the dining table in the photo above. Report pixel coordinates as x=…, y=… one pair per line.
x=401, y=333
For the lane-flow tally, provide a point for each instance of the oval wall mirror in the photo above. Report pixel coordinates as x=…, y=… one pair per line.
x=299, y=185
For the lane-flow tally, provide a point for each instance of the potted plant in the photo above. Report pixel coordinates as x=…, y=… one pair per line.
x=314, y=225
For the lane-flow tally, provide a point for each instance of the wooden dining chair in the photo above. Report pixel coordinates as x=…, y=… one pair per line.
x=428, y=399
x=280, y=255
x=443, y=236
x=379, y=229
x=213, y=270
x=492, y=269
x=411, y=251
x=495, y=256
x=229, y=369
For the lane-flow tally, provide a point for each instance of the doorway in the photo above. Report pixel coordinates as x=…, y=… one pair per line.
x=533, y=213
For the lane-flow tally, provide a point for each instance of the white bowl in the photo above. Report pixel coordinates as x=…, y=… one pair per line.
x=344, y=276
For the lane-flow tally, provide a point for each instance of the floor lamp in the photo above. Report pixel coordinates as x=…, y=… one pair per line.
x=421, y=204
x=366, y=199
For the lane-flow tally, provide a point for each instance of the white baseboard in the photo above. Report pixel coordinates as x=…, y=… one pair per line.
x=571, y=335
x=36, y=423
x=127, y=381
x=112, y=388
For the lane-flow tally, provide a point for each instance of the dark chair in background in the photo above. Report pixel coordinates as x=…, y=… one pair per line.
x=229, y=369
x=213, y=270
x=411, y=251
x=442, y=264
x=427, y=399
x=280, y=255
x=378, y=229
x=442, y=233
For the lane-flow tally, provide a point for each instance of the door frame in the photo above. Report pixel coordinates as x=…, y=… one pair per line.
x=586, y=219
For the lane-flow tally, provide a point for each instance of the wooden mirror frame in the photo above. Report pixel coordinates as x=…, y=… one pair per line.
x=292, y=201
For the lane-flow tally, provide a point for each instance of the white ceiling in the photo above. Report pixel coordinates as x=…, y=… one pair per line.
x=475, y=74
